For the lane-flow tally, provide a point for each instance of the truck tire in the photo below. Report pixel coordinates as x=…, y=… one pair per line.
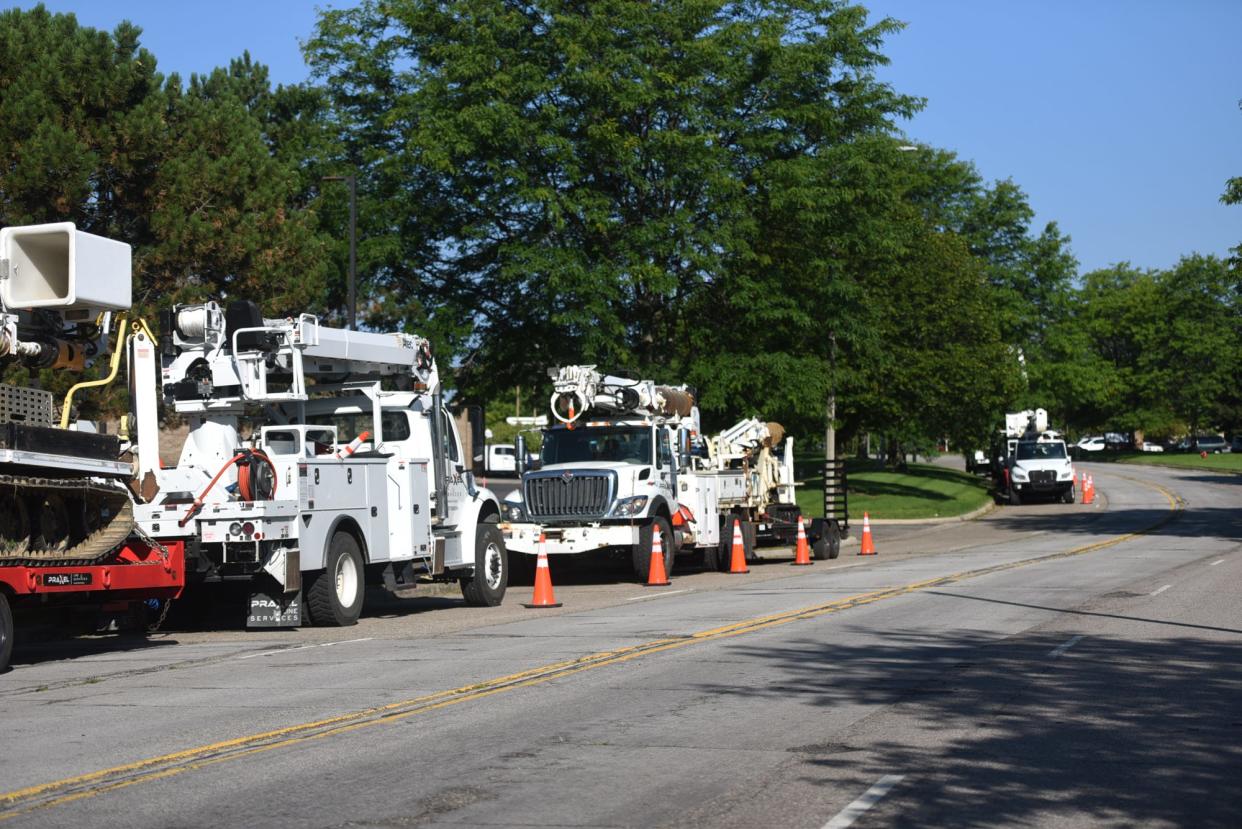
x=1015, y=497
x=642, y=553
x=829, y=545
x=6, y=632
x=749, y=535
x=717, y=558
x=334, y=594
x=486, y=586
x=1067, y=497
x=750, y=541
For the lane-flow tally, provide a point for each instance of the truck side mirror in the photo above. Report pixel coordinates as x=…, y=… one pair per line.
x=519, y=452
x=683, y=448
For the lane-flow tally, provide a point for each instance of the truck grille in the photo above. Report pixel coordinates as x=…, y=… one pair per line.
x=568, y=494
x=1043, y=476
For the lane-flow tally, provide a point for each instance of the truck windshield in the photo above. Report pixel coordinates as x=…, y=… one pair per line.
x=1029, y=450
x=624, y=444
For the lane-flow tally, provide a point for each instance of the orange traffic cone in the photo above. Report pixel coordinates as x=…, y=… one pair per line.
x=803, y=555
x=543, y=580
x=656, y=577
x=868, y=546
x=738, y=562
x=1091, y=488
x=1083, y=487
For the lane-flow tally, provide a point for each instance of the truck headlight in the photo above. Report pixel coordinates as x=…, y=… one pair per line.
x=1019, y=474
x=1067, y=475
x=513, y=512
x=629, y=506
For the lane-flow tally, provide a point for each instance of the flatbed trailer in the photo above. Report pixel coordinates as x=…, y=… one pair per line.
x=136, y=572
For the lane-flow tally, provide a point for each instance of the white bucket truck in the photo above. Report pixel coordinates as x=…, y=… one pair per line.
x=1033, y=460
x=318, y=460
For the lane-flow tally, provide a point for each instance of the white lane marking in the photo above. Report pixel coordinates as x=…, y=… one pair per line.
x=872, y=796
x=1064, y=646
x=1218, y=561
x=304, y=647
x=1160, y=590
x=658, y=595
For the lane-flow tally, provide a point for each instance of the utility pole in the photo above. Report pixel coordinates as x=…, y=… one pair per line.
x=830, y=433
x=351, y=308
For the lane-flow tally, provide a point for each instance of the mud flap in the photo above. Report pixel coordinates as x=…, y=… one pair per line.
x=275, y=609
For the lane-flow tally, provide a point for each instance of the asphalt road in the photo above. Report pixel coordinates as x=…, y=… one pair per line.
x=1047, y=665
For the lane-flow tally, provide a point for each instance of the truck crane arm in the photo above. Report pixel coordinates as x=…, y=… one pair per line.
x=579, y=389
x=238, y=355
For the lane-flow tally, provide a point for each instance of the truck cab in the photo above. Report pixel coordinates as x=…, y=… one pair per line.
x=602, y=485
x=1040, y=467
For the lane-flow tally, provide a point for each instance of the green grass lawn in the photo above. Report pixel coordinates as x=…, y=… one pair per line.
x=1227, y=462
x=924, y=491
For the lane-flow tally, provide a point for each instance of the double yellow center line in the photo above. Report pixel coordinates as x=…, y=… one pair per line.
x=71, y=789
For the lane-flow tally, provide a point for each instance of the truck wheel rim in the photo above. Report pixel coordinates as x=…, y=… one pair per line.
x=346, y=581
x=493, y=566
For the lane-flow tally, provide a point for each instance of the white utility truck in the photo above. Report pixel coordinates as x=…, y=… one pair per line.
x=318, y=460
x=1031, y=460
x=626, y=459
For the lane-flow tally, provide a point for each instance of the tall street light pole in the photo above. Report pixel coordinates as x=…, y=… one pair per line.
x=352, y=304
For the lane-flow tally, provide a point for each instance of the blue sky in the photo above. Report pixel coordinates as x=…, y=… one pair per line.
x=1120, y=118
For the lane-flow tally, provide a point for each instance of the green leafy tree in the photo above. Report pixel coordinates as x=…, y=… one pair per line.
x=601, y=183
x=1116, y=334
x=1200, y=344
x=191, y=176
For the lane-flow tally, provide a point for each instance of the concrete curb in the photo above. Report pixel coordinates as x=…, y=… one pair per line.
x=951, y=519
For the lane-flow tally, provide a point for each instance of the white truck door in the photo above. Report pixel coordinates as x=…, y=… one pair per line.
x=666, y=464
x=454, y=470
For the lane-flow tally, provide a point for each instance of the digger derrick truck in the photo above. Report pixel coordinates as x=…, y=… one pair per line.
x=317, y=461
x=68, y=540
x=764, y=455
x=626, y=459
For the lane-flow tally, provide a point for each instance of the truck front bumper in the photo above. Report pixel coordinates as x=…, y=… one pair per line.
x=524, y=538
x=1044, y=487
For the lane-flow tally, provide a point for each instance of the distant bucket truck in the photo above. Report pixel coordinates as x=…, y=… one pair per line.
x=626, y=458
x=1030, y=461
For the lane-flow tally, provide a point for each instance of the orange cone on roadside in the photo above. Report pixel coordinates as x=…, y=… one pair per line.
x=737, y=563
x=543, y=579
x=1083, y=487
x=802, y=556
x=656, y=577
x=1091, y=487
x=868, y=546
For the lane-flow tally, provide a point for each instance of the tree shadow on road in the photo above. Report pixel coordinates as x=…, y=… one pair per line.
x=999, y=732
x=1191, y=522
